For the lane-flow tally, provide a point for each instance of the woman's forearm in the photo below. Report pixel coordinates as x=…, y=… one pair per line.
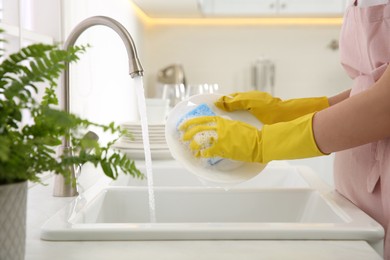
x=338, y=98
x=357, y=120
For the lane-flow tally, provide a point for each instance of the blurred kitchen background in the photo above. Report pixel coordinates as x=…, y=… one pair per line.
x=286, y=47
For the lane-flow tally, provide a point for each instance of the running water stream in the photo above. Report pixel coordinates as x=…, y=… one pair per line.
x=140, y=92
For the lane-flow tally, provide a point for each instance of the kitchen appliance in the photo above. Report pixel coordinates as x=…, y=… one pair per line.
x=263, y=75
x=172, y=74
x=171, y=84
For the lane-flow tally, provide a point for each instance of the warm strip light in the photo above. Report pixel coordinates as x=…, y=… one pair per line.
x=235, y=21
x=141, y=14
x=249, y=21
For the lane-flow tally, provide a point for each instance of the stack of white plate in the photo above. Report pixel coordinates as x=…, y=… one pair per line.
x=133, y=144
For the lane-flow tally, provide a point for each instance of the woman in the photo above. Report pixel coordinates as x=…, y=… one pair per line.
x=355, y=123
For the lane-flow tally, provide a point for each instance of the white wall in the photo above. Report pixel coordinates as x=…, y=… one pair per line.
x=101, y=88
x=305, y=66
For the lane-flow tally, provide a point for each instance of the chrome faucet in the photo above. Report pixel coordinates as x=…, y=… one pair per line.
x=62, y=188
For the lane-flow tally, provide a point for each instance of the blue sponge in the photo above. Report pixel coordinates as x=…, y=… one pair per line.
x=201, y=110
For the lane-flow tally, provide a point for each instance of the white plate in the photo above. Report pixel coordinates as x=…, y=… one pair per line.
x=151, y=141
x=129, y=145
x=139, y=138
x=242, y=172
x=137, y=125
x=151, y=133
x=139, y=129
x=151, y=137
x=139, y=135
x=136, y=154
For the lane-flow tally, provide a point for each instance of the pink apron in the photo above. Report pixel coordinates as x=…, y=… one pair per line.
x=362, y=174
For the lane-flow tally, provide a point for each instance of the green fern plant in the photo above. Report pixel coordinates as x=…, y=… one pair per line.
x=27, y=150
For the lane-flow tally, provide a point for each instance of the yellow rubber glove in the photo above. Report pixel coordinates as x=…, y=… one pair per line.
x=269, y=109
x=214, y=136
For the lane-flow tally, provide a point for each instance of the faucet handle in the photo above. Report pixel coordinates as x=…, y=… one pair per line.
x=91, y=135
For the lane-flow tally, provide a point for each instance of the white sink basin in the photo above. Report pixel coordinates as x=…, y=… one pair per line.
x=129, y=205
x=273, y=176
x=122, y=213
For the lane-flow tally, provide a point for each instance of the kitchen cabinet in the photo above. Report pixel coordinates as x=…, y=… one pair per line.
x=240, y=8
x=310, y=7
x=28, y=21
x=271, y=7
x=170, y=8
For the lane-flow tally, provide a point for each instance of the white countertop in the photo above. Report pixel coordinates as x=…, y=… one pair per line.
x=42, y=205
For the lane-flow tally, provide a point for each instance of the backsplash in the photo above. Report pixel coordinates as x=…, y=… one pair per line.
x=305, y=63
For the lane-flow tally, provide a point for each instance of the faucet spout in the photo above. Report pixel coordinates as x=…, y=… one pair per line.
x=135, y=67
x=62, y=188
